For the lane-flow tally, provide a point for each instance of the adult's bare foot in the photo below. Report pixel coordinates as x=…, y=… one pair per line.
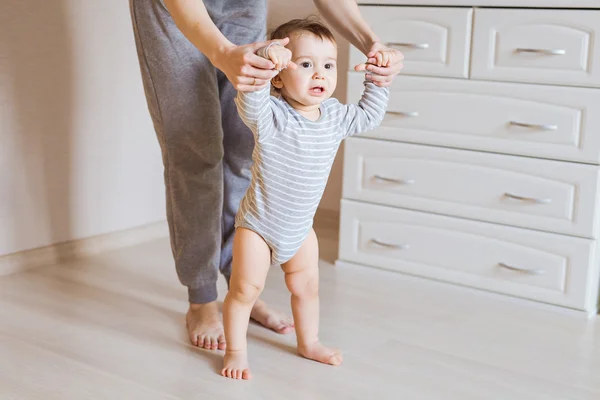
x=271, y=319
x=205, y=327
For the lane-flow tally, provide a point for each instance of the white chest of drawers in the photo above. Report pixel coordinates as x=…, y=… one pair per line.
x=486, y=170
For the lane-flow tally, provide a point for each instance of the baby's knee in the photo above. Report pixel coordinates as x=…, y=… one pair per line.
x=303, y=284
x=245, y=291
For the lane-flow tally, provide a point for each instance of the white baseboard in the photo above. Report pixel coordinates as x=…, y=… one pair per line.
x=60, y=252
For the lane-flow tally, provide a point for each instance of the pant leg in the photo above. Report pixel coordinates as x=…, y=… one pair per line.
x=183, y=99
x=238, y=141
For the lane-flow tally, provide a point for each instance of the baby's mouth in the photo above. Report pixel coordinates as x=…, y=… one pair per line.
x=317, y=89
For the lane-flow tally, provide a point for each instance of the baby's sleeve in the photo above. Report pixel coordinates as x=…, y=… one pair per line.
x=259, y=112
x=369, y=112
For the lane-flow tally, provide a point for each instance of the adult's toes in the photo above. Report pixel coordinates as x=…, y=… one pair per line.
x=285, y=328
x=222, y=344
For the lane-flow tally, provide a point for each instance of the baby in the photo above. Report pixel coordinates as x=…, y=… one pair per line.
x=297, y=135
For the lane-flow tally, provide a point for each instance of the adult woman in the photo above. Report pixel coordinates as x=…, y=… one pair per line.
x=194, y=55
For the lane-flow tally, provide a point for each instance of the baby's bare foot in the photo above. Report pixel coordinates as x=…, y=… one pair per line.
x=235, y=365
x=205, y=327
x=320, y=353
x=276, y=321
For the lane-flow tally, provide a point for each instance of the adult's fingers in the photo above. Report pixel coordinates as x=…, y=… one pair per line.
x=259, y=73
x=258, y=62
x=360, y=67
x=379, y=80
x=250, y=88
x=385, y=71
x=250, y=81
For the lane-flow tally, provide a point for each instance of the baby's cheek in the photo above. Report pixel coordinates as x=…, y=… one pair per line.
x=301, y=77
x=293, y=81
x=304, y=71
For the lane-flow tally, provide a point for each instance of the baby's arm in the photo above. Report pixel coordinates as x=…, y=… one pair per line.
x=369, y=112
x=256, y=109
x=371, y=108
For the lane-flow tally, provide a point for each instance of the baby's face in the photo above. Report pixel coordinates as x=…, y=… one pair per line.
x=315, y=79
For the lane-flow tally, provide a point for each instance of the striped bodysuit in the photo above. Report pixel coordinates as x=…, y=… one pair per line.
x=292, y=160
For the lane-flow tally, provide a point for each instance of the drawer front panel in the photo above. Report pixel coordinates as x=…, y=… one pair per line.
x=538, y=46
x=434, y=41
x=534, y=265
x=531, y=120
x=540, y=194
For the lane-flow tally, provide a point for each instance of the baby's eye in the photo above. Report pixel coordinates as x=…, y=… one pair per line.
x=305, y=64
x=329, y=66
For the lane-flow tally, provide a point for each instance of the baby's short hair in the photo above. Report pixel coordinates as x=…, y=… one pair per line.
x=310, y=24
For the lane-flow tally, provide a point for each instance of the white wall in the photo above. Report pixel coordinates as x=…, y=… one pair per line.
x=78, y=155
x=281, y=11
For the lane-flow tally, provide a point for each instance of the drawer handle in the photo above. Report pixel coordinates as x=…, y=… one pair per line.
x=523, y=270
x=543, y=127
x=420, y=46
x=390, y=245
x=392, y=180
x=549, y=52
x=528, y=199
x=404, y=113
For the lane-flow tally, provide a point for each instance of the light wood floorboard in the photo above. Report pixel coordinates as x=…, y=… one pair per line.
x=111, y=327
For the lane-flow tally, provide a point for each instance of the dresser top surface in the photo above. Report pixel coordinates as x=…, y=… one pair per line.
x=491, y=3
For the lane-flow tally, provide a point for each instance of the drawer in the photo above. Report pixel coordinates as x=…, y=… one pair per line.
x=434, y=41
x=539, y=46
x=553, y=122
x=540, y=194
x=540, y=266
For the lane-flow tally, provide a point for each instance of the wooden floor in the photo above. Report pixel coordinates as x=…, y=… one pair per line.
x=111, y=327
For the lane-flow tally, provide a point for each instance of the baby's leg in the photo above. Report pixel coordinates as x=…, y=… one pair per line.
x=250, y=265
x=302, y=279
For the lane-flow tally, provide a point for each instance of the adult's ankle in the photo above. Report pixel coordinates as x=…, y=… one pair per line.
x=204, y=294
x=197, y=306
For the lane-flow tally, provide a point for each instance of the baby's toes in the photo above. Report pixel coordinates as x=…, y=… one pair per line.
x=246, y=374
x=336, y=359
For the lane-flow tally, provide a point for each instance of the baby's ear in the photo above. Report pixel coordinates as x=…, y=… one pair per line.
x=277, y=82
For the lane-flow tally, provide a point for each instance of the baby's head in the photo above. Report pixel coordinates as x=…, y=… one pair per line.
x=314, y=51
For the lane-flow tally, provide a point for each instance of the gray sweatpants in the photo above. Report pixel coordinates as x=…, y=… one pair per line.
x=206, y=149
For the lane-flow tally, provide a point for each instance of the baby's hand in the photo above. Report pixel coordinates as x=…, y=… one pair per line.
x=281, y=57
x=382, y=58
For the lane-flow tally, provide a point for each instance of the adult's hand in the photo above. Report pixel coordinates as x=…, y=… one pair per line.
x=244, y=69
x=382, y=76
